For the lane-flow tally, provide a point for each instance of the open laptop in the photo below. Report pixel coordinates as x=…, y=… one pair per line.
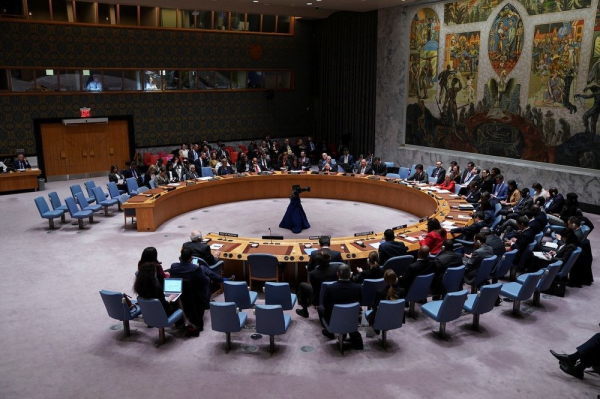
x=172, y=289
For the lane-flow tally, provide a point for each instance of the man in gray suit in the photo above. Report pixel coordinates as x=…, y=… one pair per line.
x=473, y=260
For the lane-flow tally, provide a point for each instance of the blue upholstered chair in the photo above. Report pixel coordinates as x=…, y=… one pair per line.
x=46, y=213
x=89, y=187
x=418, y=291
x=323, y=289
x=263, y=267
x=237, y=292
x=549, y=274
x=224, y=318
x=403, y=172
x=538, y=239
x=369, y=290
x=57, y=206
x=399, y=264
x=429, y=171
x=525, y=258
x=77, y=214
x=344, y=320
x=457, y=189
x=389, y=316
x=102, y=200
x=280, y=294
x=76, y=188
x=564, y=271
x=447, y=310
x=496, y=222
x=152, y=184
x=117, y=308
x=114, y=192
x=155, y=316
x=520, y=292
x=85, y=206
x=207, y=171
x=453, y=278
x=503, y=265
x=271, y=321
x=389, y=164
x=132, y=186
x=482, y=302
x=392, y=175
x=585, y=230
x=483, y=273
x=217, y=267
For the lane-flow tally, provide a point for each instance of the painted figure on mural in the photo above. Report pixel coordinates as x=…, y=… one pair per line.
x=424, y=38
x=450, y=100
x=468, y=11
x=592, y=113
x=506, y=38
x=536, y=7
x=568, y=80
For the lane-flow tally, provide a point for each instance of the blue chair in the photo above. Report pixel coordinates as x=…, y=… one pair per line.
x=418, y=291
x=398, y=264
x=369, y=290
x=271, y=321
x=430, y=170
x=538, y=239
x=585, y=230
x=549, y=274
x=525, y=258
x=263, y=267
x=117, y=308
x=389, y=164
x=323, y=289
x=457, y=189
x=237, y=292
x=403, y=173
x=46, y=213
x=483, y=273
x=89, y=186
x=217, y=267
x=114, y=192
x=503, y=265
x=344, y=320
x=85, y=206
x=280, y=294
x=453, y=278
x=207, y=171
x=77, y=189
x=392, y=175
x=152, y=184
x=564, y=271
x=57, y=206
x=77, y=214
x=520, y=292
x=447, y=310
x=413, y=168
x=132, y=186
x=102, y=200
x=482, y=302
x=155, y=316
x=389, y=316
x=224, y=318
x=496, y=222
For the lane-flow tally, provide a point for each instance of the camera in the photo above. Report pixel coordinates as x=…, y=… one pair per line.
x=297, y=190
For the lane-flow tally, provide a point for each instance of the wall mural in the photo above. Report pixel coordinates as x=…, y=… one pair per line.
x=424, y=46
x=506, y=40
x=462, y=63
x=536, y=7
x=468, y=11
x=594, y=71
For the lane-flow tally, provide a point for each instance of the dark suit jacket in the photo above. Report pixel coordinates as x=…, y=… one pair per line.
x=487, y=185
x=524, y=238
x=557, y=204
x=381, y=295
x=261, y=166
x=195, y=275
x=368, y=274
x=473, y=263
x=420, y=177
x=201, y=250
x=336, y=256
x=304, y=164
x=350, y=160
x=317, y=277
x=21, y=164
x=225, y=171
x=497, y=245
x=380, y=170
x=389, y=249
x=127, y=173
x=441, y=175
x=523, y=205
x=446, y=259
x=339, y=293
x=418, y=268
x=473, y=196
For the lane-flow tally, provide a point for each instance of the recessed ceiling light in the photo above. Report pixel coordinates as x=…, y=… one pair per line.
x=255, y=1
x=309, y=4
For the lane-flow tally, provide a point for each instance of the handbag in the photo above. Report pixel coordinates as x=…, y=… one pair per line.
x=557, y=288
x=130, y=305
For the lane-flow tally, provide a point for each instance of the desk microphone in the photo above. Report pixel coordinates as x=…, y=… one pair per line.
x=271, y=235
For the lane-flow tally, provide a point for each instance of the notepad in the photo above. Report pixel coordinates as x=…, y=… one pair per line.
x=407, y=238
x=443, y=191
x=464, y=217
x=216, y=246
x=551, y=245
x=541, y=255
x=375, y=245
x=309, y=250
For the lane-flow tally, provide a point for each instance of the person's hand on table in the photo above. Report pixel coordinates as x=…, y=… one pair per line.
x=217, y=253
x=359, y=270
x=558, y=236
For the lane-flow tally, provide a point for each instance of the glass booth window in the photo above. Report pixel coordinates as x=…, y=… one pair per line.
x=71, y=80
x=170, y=80
x=152, y=80
x=204, y=20
x=132, y=80
x=253, y=23
x=238, y=79
x=147, y=16
x=107, y=14
x=222, y=80
x=268, y=23
x=188, y=80
x=206, y=80
x=22, y=79
x=46, y=80
x=221, y=21
x=168, y=18
x=86, y=12
x=113, y=80
x=284, y=80
x=255, y=80
x=238, y=21
x=62, y=11
x=128, y=15
x=283, y=24
x=39, y=10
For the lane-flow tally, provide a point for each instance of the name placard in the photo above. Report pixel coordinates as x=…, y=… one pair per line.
x=317, y=237
x=424, y=218
x=364, y=233
x=399, y=227
x=227, y=234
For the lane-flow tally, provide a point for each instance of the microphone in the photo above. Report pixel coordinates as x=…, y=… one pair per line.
x=271, y=235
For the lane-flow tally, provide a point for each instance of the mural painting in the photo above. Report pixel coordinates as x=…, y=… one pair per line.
x=594, y=70
x=536, y=7
x=424, y=46
x=506, y=40
x=468, y=11
x=462, y=62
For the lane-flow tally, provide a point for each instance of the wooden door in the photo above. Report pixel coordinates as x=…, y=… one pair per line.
x=53, y=143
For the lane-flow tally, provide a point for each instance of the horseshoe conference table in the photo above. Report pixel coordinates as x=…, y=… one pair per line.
x=157, y=206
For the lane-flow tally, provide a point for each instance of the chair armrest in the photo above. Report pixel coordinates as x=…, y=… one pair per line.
x=217, y=267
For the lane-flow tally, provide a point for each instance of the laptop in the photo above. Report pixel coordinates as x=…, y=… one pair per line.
x=172, y=289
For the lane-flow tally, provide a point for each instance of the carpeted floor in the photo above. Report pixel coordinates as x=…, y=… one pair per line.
x=58, y=342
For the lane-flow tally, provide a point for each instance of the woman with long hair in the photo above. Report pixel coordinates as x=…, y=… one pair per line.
x=390, y=292
x=435, y=236
x=374, y=271
x=150, y=255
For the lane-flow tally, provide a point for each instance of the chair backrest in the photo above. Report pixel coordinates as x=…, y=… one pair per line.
x=529, y=285
x=389, y=164
x=485, y=270
x=389, y=315
x=585, y=230
x=549, y=275
x=564, y=272
x=237, y=291
x=452, y=306
x=278, y=294
x=54, y=200
x=71, y=206
x=153, y=312
x=344, y=318
x=399, y=264
x=152, y=184
x=392, y=175
x=263, y=265
x=42, y=206
x=430, y=170
x=323, y=289
x=403, y=172
x=115, y=305
x=99, y=194
x=453, y=278
x=419, y=288
x=142, y=189
x=538, y=239
x=89, y=186
x=132, y=185
x=223, y=317
x=207, y=171
x=496, y=222
x=526, y=255
x=81, y=201
x=269, y=320
x=504, y=264
x=413, y=168
x=113, y=190
x=486, y=298
x=76, y=188
x=497, y=209
x=369, y=290
x=457, y=188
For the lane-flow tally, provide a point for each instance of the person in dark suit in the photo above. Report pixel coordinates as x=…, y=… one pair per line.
x=493, y=241
x=473, y=195
x=419, y=176
x=225, y=168
x=420, y=267
x=341, y=292
x=473, y=260
x=374, y=271
x=132, y=171
x=587, y=355
x=324, y=243
x=468, y=232
x=21, y=163
x=525, y=237
x=264, y=163
x=444, y=260
x=304, y=161
x=439, y=173
x=390, y=248
x=200, y=249
x=346, y=160
x=487, y=182
x=555, y=202
x=309, y=294
x=377, y=168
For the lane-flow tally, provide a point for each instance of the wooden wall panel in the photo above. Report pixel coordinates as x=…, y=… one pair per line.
x=55, y=161
x=118, y=132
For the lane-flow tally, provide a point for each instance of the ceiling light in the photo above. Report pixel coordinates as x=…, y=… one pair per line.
x=255, y=1
x=309, y=4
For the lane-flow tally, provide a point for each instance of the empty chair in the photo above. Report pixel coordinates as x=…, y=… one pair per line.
x=564, y=271
x=369, y=290
x=56, y=205
x=483, y=273
x=389, y=316
x=585, y=230
x=207, y=171
x=117, y=308
x=85, y=206
x=430, y=170
x=503, y=265
x=217, y=267
x=89, y=186
x=399, y=264
x=344, y=320
x=520, y=292
x=142, y=189
x=453, y=278
x=525, y=258
x=102, y=200
x=46, y=213
x=549, y=274
x=403, y=172
x=225, y=318
x=155, y=316
x=271, y=321
x=418, y=291
x=263, y=267
x=114, y=192
x=76, y=188
x=77, y=214
x=323, y=289
x=447, y=310
x=457, y=189
x=413, y=168
x=237, y=292
x=482, y=302
x=392, y=175
x=132, y=186
x=280, y=294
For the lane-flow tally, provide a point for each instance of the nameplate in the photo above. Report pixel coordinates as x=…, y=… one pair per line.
x=364, y=233
x=317, y=237
x=399, y=227
x=423, y=219
x=227, y=234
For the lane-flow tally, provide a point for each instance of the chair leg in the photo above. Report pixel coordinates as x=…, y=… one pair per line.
x=51, y=224
x=442, y=331
x=411, y=310
x=126, y=328
x=228, y=339
x=161, y=335
x=62, y=218
x=105, y=211
x=384, y=338
x=80, y=224
x=476, y=322
x=536, y=298
x=516, y=308
x=119, y=207
x=341, y=342
x=92, y=218
x=473, y=288
x=272, y=343
x=513, y=273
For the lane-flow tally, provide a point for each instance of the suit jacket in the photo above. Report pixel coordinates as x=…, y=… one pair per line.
x=350, y=160
x=473, y=196
x=420, y=177
x=524, y=238
x=201, y=250
x=262, y=166
x=341, y=292
x=473, y=263
x=196, y=277
x=556, y=204
x=418, y=268
x=497, y=245
x=336, y=256
x=486, y=185
x=21, y=164
x=317, y=277
x=500, y=191
x=127, y=173
x=445, y=260
x=225, y=171
x=304, y=163
x=368, y=274
x=379, y=170
x=389, y=249
x=523, y=205
x=440, y=174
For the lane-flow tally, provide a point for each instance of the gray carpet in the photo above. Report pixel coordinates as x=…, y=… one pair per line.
x=57, y=340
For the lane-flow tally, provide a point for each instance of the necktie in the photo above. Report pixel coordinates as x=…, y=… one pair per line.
x=264, y=164
x=257, y=169
x=133, y=173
